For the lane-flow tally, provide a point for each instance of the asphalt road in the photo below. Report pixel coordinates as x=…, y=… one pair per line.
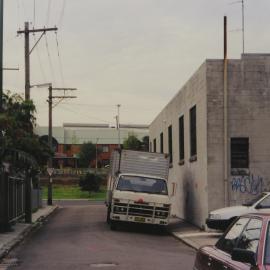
x=77, y=237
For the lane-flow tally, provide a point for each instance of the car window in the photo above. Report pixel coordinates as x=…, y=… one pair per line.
x=254, y=200
x=267, y=246
x=249, y=239
x=265, y=203
x=229, y=240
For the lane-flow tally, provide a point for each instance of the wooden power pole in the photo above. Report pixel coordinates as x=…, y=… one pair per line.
x=28, y=52
x=50, y=101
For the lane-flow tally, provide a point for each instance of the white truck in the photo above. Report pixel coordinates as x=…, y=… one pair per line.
x=137, y=189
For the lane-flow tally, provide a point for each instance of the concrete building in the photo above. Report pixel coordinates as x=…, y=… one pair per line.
x=68, y=139
x=192, y=129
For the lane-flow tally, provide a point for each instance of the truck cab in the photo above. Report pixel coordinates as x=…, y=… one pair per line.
x=138, y=197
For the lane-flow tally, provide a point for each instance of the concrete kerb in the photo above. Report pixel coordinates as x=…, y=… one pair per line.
x=26, y=230
x=191, y=235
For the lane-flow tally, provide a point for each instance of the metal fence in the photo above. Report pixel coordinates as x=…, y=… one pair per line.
x=16, y=198
x=15, y=187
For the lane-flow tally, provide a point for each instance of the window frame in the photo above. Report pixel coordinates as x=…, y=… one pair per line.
x=181, y=138
x=161, y=142
x=193, y=132
x=170, y=143
x=238, y=157
x=155, y=145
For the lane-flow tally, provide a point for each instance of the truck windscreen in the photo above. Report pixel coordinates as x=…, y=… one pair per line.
x=142, y=184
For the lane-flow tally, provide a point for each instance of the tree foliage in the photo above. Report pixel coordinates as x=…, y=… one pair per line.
x=87, y=154
x=133, y=143
x=17, y=122
x=90, y=182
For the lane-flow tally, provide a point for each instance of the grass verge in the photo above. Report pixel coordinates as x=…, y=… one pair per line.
x=73, y=192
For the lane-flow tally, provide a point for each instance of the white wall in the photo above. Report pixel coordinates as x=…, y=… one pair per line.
x=190, y=201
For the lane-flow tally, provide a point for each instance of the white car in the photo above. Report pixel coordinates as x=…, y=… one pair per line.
x=220, y=219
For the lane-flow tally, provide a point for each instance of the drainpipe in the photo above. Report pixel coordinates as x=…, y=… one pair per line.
x=225, y=112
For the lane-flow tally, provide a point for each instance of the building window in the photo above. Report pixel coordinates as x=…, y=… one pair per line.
x=155, y=145
x=170, y=143
x=161, y=143
x=150, y=147
x=105, y=148
x=239, y=153
x=181, y=139
x=193, y=133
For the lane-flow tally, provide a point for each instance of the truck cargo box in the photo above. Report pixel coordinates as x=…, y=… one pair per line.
x=138, y=162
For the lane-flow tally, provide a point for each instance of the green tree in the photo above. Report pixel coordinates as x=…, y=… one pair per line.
x=17, y=122
x=87, y=154
x=132, y=143
x=90, y=182
x=145, y=143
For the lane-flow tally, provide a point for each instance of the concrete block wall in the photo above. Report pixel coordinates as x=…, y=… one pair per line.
x=248, y=116
x=200, y=185
x=190, y=179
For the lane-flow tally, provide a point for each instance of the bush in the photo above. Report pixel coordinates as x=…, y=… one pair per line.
x=90, y=182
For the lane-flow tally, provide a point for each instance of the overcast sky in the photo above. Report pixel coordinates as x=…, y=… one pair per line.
x=137, y=53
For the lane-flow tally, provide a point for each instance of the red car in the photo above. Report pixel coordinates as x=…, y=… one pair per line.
x=245, y=245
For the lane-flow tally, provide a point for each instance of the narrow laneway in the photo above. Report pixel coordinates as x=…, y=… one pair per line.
x=77, y=237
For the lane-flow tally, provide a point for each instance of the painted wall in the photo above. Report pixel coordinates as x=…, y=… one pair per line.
x=249, y=116
x=200, y=184
x=190, y=179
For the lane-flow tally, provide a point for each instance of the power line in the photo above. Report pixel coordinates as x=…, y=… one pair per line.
x=39, y=61
x=50, y=59
x=60, y=60
x=48, y=11
x=74, y=111
x=62, y=13
x=34, y=13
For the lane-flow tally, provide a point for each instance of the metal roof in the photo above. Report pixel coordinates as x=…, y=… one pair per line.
x=94, y=135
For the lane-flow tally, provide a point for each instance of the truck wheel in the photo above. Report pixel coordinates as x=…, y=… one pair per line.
x=108, y=215
x=113, y=226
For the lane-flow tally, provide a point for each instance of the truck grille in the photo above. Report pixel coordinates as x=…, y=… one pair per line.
x=141, y=210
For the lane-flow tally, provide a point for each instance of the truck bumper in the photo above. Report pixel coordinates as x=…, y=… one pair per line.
x=138, y=219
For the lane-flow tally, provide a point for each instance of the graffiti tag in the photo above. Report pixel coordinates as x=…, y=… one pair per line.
x=249, y=184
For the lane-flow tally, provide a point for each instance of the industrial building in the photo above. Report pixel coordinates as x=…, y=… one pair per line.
x=68, y=139
x=216, y=130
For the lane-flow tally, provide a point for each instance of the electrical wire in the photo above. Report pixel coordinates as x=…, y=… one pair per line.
x=62, y=13
x=34, y=13
x=48, y=11
x=18, y=14
x=40, y=62
x=76, y=112
x=50, y=59
x=59, y=59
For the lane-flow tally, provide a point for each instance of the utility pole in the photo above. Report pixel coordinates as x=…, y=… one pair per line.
x=28, y=52
x=118, y=124
x=50, y=101
x=96, y=155
x=243, y=25
x=225, y=114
